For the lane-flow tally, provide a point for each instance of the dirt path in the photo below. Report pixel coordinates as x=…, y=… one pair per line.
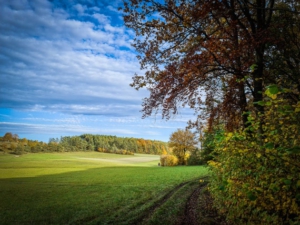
x=191, y=212
x=145, y=217
x=199, y=200
x=199, y=209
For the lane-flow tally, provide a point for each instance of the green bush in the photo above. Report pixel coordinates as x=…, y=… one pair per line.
x=256, y=175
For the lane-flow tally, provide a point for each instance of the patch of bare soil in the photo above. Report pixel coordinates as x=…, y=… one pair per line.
x=191, y=213
x=199, y=209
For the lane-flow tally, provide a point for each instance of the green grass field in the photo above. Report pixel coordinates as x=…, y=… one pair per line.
x=92, y=188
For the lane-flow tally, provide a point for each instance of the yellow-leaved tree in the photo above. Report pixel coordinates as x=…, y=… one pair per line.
x=182, y=142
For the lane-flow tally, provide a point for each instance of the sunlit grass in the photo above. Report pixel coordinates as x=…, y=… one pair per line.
x=66, y=189
x=53, y=163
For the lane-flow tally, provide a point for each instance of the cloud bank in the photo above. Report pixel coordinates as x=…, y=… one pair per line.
x=71, y=59
x=69, y=64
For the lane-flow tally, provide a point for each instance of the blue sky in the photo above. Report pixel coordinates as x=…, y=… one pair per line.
x=65, y=69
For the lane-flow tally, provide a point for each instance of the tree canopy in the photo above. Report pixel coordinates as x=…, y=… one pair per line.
x=181, y=142
x=212, y=55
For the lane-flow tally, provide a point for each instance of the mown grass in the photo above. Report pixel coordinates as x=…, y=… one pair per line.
x=85, y=188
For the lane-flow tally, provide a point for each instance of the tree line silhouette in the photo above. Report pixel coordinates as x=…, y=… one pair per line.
x=11, y=143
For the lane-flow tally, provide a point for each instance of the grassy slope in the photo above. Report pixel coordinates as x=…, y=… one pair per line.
x=83, y=188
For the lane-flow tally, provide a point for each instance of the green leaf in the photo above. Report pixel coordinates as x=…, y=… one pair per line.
x=261, y=103
x=275, y=188
x=250, y=118
x=269, y=145
x=294, y=150
x=287, y=182
x=222, y=187
x=273, y=89
x=287, y=107
x=273, y=132
x=268, y=103
x=253, y=67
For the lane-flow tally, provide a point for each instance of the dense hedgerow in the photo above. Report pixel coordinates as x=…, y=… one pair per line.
x=256, y=175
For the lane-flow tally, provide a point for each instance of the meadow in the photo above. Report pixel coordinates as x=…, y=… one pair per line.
x=93, y=188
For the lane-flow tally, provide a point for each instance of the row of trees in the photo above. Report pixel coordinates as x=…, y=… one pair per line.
x=237, y=64
x=182, y=146
x=86, y=142
x=113, y=143
x=11, y=143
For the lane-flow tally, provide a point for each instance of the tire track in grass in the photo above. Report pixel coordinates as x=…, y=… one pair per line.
x=143, y=216
x=190, y=209
x=146, y=214
x=199, y=209
x=188, y=213
x=191, y=212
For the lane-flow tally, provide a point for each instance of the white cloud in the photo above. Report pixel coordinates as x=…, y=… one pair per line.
x=75, y=62
x=80, y=8
x=59, y=128
x=113, y=29
x=102, y=19
x=62, y=63
x=113, y=9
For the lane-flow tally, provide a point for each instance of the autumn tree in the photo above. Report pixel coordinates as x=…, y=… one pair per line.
x=236, y=63
x=208, y=55
x=8, y=137
x=181, y=142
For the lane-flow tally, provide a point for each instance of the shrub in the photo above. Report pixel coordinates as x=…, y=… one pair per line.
x=168, y=160
x=256, y=176
x=100, y=149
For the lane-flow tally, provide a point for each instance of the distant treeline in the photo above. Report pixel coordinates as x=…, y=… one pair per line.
x=11, y=143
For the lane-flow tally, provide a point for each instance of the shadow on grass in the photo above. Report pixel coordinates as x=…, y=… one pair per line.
x=96, y=195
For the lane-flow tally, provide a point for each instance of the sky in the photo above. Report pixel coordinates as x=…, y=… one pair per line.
x=65, y=69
